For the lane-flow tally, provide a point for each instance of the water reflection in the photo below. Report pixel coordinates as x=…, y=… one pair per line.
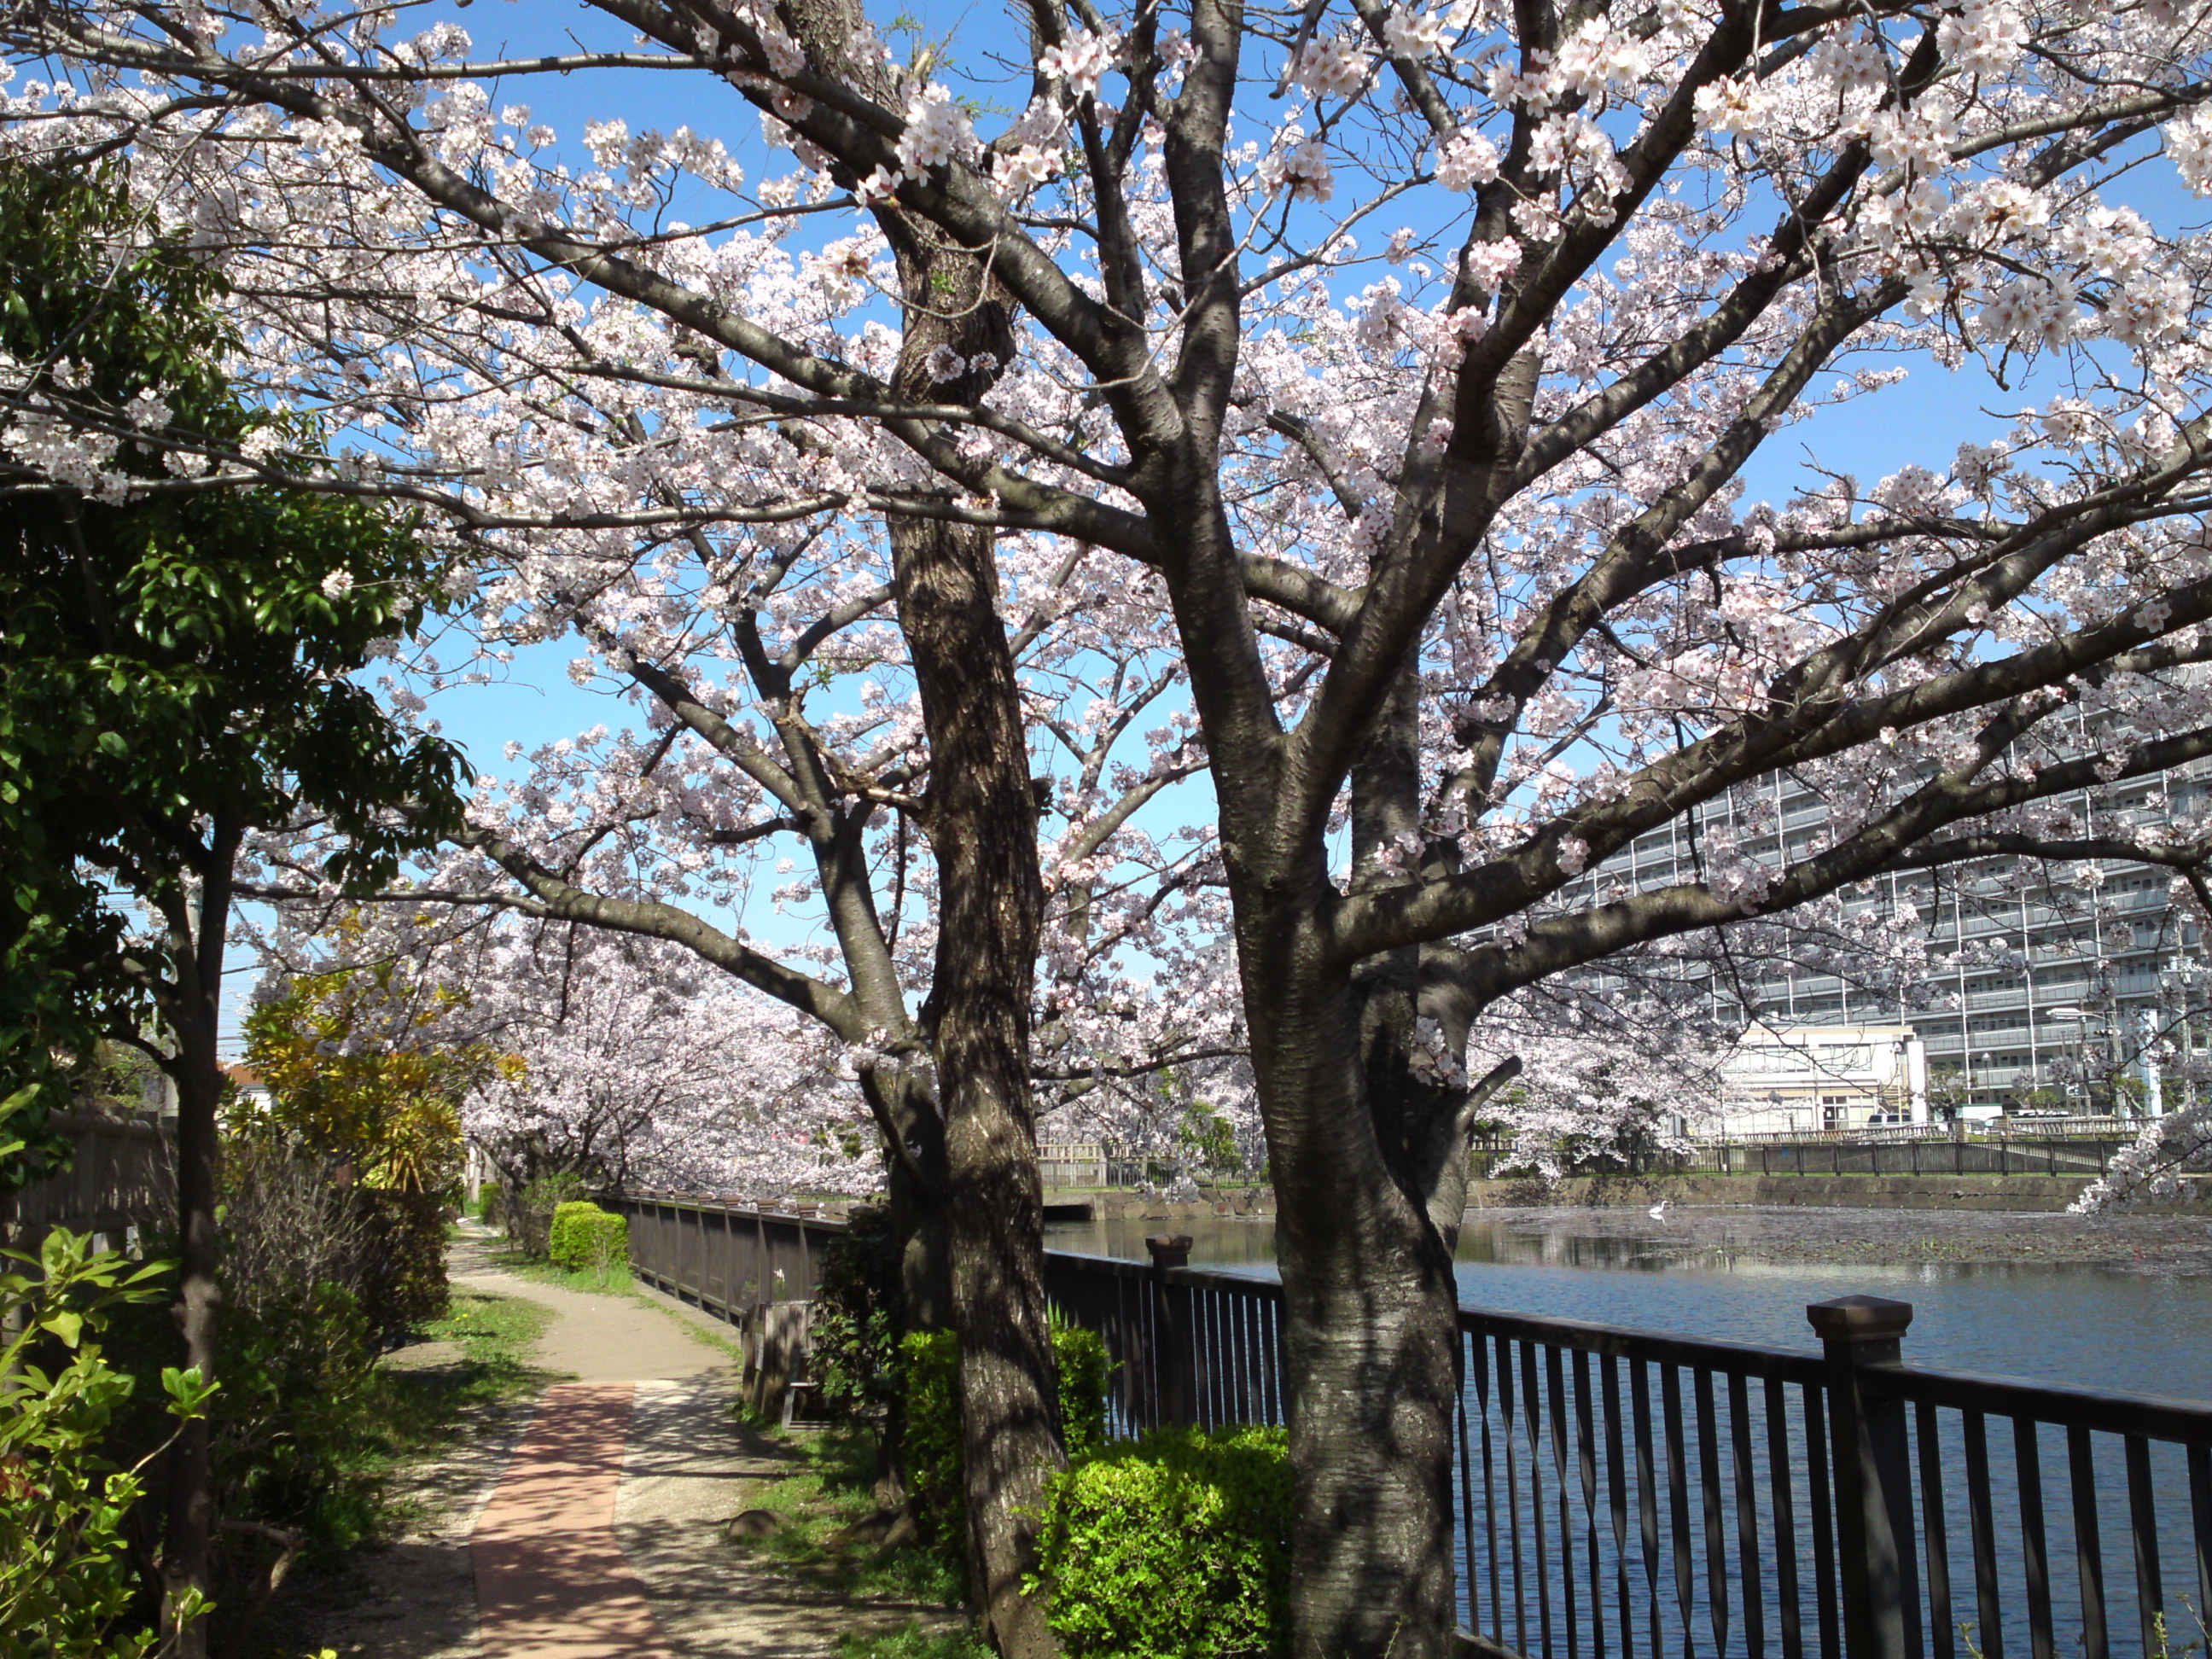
x=1747, y=1275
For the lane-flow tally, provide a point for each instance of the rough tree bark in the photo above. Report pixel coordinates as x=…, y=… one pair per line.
x=982, y=827
x=981, y=821
x=196, y=932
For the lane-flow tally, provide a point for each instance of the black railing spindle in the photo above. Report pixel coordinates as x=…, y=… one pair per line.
x=2088, y=1553
x=1988, y=1606
x=1709, y=1493
x=1678, y=1501
x=2028, y=1469
x=2142, y=1523
x=1934, y=1532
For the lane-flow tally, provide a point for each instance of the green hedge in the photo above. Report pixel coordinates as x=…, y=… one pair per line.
x=1173, y=1547
x=584, y=1235
x=402, y=1270
x=935, y=1465
x=528, y=1210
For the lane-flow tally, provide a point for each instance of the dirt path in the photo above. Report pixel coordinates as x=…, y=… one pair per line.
x=589, y=1525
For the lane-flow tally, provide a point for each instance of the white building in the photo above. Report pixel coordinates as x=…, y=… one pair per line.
x=2086, y=989
x=1792, y=1079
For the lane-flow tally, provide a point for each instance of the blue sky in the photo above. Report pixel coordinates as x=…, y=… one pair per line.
x=1921, y=420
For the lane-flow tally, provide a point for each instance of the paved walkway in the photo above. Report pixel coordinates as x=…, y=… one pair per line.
x=552, y=1581
x=592, y=1526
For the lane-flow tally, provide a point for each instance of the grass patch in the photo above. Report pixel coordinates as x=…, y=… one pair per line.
x=615, y=1280
x=823, y=1500
x=411, y=1416
x=911, y=1641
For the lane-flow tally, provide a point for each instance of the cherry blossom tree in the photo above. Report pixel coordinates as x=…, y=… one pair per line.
x=641, y=1068
x=1419, y=366
x=625, y=1060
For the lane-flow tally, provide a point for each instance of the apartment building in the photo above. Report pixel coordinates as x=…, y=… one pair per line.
x=2066, y=989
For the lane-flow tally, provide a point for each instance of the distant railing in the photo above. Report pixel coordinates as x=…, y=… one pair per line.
x=1621, y=1491
x=727, y=1258
x=2040, y=1155
x=120, y=1174
x=1856, y=1152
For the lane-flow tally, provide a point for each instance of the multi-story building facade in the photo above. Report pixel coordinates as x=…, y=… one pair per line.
x=2078, y=988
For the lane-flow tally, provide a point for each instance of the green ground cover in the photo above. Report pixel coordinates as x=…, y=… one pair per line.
x=830, y=1537
x=410, y=1416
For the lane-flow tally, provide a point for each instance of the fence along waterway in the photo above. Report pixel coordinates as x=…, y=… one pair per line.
x=1626, y=1492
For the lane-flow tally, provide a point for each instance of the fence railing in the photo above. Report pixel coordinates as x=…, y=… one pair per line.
x=1622, y=1492
x=724, y=1258
x=2077, y=1157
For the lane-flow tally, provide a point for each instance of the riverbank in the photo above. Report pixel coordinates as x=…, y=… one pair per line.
x=2009, y=1194
x=2013, y=1193
x=1735, y=1237
x=1727, y=1236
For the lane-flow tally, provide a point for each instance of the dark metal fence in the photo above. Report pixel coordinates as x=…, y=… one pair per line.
x=725, y=1258
x=1623, y=1492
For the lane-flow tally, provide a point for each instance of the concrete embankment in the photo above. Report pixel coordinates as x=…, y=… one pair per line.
x=2015, y=1193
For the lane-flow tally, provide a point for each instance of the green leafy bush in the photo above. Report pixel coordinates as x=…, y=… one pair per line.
x=931, y=1362
x=584, y=1235
x=858, y=1306
x=556, y=1232
x=529, y=1212
x=402, y=1281
x=67, y=1586
x=317, y=1278
x=297, y=1364
x=1176, y=1545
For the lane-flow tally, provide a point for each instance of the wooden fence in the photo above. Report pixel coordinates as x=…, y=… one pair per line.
x=120, y=1174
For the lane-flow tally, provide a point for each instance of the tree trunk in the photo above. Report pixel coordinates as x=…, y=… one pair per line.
x=196, y=952
x=1372, y=1382
x=982, y=826
x=1370, y=1327
x=188, y=1561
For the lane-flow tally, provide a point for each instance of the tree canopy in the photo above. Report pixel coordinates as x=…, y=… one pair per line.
x=1404, y=382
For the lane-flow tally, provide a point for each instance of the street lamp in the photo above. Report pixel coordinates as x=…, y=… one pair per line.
x=2067, y=1014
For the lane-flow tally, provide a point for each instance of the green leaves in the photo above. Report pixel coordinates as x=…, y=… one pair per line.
x=188, y=1391
x=67, y=1586
x=175, y=656
x=931, y=1363
x=65, y=1324
x=1176, y=1545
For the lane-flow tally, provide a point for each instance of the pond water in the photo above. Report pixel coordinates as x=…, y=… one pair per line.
x=1747, y=1275
x=2122, y=1304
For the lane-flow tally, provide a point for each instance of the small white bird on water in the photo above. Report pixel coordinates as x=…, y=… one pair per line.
x=1658, y=1211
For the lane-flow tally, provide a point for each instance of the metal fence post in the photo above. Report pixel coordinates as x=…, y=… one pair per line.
x=1873, y=1479
x=1171, y=1353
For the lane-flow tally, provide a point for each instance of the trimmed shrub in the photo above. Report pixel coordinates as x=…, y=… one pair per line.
x=530, y=1213
x=563, y=1222
x=935, y=1468
x=585, y=1236
x=858, y=1306
x=1173, y=1547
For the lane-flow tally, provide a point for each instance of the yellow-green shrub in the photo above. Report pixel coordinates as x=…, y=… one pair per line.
x=935, y=1468
x=1176, y=1545
x=585, y=1236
